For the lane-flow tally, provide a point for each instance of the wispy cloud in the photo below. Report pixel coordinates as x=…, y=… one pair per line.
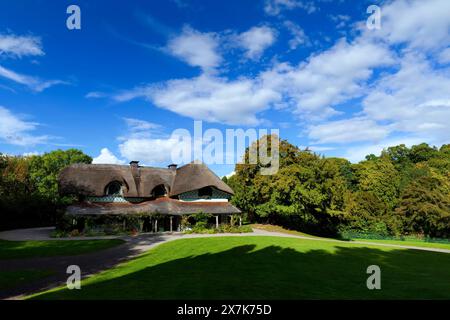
x=298, y=35
x=16, y=131
x=95, y=94
x=34, y=83
x=19, y=46
x=275, y=7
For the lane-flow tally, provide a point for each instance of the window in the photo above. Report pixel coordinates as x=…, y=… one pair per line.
x=159, y=191
x=205, y=193
x=114, y=189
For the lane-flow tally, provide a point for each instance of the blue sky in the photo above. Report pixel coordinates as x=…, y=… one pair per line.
x=137, y=70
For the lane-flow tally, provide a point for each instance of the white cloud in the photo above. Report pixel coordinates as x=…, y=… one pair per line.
x=19, y=46
x=341, y=20
x=256, y=40
x=196, y=48
x=329, y=78
x=144, y=143
x=348, y=130
x=298, y=35
x=274, y=7
x=107, y=157
x=311, y=89
x=401, y=89
x=232, y=173
x=15, y=131
x=419, y=24
x=444, y=56
x=317, y=149
x=95, y=94
x=148, y=150
x=411, y=100
x=210, y=98
x=30, y=154
x=139, y=129
x=139, y=125
x=33, y=83
x=415, y=99
x=358, y=152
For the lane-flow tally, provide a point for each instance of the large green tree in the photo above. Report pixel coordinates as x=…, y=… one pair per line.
x=29, y=187
x=404, y=190
x=425, y=203
x=44, y=171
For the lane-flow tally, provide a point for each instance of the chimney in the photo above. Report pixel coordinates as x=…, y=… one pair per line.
x=172, y=166
x=134, y=164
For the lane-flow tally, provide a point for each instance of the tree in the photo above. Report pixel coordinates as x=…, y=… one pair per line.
x=422, y=152
x=44, y=170
x=29, y=187
x=305, y=193
x=425, y=204
x=380, y=178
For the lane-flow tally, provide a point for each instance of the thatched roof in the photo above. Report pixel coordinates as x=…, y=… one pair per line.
x=158, y=206
x=138, y=181
x=194, y=176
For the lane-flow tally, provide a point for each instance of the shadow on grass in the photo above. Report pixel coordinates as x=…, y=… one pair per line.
x=90, y=263
x=49, y=248
x=274, y=272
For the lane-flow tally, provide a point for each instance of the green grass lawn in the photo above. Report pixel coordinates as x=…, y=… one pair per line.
x=415, y=243
x=11, y=279
x=274, y=228
x=267, y=268
x=32, y=249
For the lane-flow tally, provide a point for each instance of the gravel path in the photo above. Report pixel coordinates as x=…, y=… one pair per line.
x=94, y=262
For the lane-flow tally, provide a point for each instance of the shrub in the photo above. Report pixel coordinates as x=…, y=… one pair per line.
x=58, y=234
x=74, y=233
x=225, y=228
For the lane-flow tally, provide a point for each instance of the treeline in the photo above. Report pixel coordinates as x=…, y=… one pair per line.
x=404, y=191
x=29, y=188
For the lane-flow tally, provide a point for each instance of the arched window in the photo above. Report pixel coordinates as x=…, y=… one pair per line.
x=205, y=193
x=159, y=191
x=114, y=189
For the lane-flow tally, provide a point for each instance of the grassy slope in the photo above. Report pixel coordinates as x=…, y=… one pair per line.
x=415, y=243
x=267, y=268
x=31, y=249
x=274, y=228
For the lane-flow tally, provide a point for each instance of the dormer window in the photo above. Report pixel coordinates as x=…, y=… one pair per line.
x=205, y=193
x=114, y=189
x=159, y=191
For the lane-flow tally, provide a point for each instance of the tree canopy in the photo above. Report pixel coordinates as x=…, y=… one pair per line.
x=29, y=187
x=402, y=191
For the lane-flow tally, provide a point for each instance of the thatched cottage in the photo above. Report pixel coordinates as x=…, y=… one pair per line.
x=159, y=197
